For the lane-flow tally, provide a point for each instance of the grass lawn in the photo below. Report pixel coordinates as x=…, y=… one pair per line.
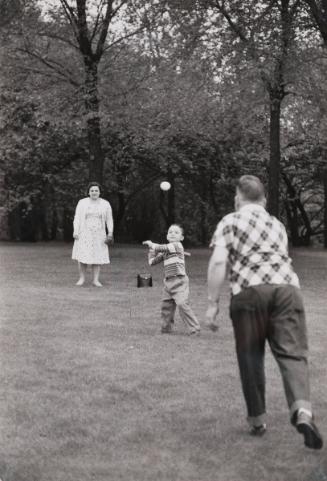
x=90, y=390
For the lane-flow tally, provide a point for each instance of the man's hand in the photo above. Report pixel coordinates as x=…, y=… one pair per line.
x=109, y=239
x=211, y=316
x=148, y=243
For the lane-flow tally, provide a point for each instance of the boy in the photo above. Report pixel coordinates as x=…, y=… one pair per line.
x=176, y=282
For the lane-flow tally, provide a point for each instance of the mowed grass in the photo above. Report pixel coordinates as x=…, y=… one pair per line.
x=90, y=390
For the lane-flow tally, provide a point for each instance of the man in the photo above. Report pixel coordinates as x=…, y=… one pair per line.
x=266, y=304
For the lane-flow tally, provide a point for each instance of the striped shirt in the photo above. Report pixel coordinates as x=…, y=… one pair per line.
x=257, y=247
x=172, y=255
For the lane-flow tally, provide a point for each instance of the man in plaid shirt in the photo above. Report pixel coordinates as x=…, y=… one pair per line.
x=266, y=304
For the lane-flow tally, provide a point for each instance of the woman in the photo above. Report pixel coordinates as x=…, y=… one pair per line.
x=92, y=216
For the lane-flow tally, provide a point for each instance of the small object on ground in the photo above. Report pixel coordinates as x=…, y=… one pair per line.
x=166, y=330
x=144, y=280
x=194, y=333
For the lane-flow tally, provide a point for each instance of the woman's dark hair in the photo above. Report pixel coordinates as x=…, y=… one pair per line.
x=93, y=184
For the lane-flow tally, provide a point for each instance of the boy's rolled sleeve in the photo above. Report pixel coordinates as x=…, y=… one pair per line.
x=154, y=258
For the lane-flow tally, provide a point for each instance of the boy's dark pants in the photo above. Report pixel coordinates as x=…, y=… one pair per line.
x=276, y=313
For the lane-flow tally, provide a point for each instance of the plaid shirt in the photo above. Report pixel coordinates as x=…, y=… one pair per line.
x=257, y=247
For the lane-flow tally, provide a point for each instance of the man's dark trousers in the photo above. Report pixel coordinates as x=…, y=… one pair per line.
x=274, y=313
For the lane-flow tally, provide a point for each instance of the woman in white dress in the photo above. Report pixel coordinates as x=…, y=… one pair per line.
x=93, y=216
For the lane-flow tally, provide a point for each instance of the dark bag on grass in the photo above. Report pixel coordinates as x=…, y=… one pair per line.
x=144, y=280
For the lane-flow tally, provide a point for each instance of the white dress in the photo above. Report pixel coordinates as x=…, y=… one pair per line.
x=90, y=247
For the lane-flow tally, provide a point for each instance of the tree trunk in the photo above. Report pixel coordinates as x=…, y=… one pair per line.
x=319, y=13
x=291, y=212
x=96, y=156
x=171, y=200
x=163, y=210
x=118, y=216
x=67, y=225
x=325, y=207
x=293, y=223
x=167, y=202
x=295, y=201
x=274, y=161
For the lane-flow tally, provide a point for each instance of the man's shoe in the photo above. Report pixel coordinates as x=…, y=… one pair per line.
x=258, y=430
x=305, y=425
x=196, y=332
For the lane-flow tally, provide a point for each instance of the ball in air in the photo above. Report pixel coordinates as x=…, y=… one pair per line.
x=165, y=185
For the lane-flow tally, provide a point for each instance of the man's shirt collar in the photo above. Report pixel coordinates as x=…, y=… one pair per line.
x=252, y=206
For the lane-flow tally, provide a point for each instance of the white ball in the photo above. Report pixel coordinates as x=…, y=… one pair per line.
x=165, y=185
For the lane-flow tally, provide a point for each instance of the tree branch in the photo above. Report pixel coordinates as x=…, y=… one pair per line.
x=52, y=65
x=120, y=39
x=236, y=29
x=104, y=30
x=60, y=78
x=116, y=10
x=320, y=18
x=96, y=23
x=83, y=32
x=58, y=37
x=69, y=12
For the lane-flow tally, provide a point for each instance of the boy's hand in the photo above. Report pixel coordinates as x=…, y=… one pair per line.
x=211, y=316
x=148, y=243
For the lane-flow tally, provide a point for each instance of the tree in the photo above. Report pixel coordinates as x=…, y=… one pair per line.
x=266, y=34
x=82, y=27
x=9, y=11
x=318, y=10
x=185, y=101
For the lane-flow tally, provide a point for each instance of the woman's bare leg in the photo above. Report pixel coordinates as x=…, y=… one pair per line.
x=96, y=272
x=82, y=271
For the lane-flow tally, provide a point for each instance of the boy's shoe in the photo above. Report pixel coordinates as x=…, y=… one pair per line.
x=166, y=330
x=305, y=425
x=258, y=430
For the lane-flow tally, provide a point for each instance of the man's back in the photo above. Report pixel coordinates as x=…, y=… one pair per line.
x=257, y=247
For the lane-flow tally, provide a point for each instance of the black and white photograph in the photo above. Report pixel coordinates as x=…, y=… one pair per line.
x=163, y=240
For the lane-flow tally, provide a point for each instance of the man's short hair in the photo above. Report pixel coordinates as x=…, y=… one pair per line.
x=251, y=188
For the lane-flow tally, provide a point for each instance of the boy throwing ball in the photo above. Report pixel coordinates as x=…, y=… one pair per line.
x=176, y=282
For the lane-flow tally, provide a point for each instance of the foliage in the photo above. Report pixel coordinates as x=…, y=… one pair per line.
x=42, y=162
x=179, y=95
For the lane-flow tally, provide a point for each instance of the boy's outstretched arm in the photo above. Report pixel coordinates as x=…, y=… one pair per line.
x=148, y=243
x=153, y=258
